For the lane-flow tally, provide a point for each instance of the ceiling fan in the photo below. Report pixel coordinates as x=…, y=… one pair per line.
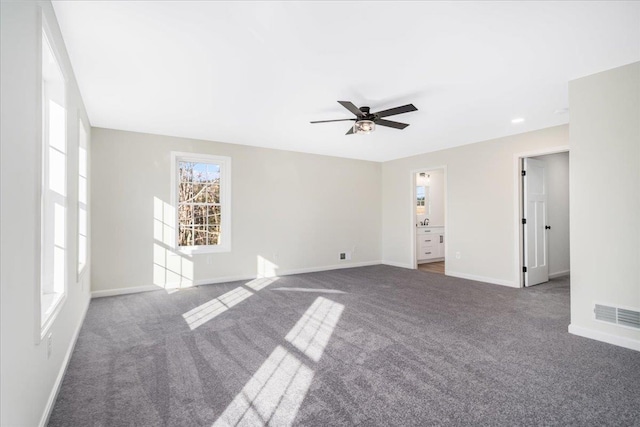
x=365, y=121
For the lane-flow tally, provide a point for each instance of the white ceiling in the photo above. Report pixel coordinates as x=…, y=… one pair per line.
x=256, y=73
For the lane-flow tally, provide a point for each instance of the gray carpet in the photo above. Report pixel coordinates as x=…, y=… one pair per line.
x=379, y=346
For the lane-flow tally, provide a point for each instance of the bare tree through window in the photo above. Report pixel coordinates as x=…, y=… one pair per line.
x=199, y=207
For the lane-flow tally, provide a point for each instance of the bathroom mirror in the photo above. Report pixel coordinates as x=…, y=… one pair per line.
x=422, y=200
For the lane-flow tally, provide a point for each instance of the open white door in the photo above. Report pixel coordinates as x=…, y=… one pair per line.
x=535, y=223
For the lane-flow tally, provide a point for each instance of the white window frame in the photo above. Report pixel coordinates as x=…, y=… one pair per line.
x=225, y=200
x=83, y=144
x=46, y=315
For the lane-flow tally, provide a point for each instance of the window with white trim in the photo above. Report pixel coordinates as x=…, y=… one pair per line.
x=201, y=195
x=54, y=185
x=83, y=196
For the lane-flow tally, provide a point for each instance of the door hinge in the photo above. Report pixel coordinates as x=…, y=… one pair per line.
x=523, y=173
x=524, y=220
x=524, y=269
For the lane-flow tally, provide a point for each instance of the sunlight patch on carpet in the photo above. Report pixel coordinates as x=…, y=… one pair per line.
x=210, y=309
x=276, y=391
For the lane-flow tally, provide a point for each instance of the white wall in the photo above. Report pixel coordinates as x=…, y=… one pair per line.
x=295, y=211
x=481, y=221
x=605, y=195
x=29, y=379
x=436, y=186
x=557, y=175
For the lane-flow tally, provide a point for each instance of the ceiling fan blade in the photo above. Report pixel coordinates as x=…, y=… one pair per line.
x=349, y=106
x=350, y=132
x=339, y=120
x=397, y=110
x=390, y=124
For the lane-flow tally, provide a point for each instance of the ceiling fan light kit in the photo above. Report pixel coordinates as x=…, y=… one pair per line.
x=365, y=121
x=364, y=126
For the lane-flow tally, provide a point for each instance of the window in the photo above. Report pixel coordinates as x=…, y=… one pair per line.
x=83, y=195
x=201, y=195
x=54, y=185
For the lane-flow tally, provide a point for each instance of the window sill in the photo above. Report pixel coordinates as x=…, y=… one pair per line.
x=196, y=250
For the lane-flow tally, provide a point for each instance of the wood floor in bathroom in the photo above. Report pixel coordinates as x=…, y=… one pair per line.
x=432, y=267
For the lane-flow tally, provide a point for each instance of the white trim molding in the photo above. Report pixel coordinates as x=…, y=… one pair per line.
x=491, y=280
x=228, y=279
x=329, y=267
x=44, y=420
x=629, y=343
x=400, y=264
x=124, y=291
x=559, y=274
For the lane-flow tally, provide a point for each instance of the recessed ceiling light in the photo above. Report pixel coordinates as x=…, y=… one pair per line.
x=561, y=111
x=518, y=120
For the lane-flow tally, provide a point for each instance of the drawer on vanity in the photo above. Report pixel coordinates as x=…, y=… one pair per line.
x=430, y=230
x=427, y=240
x=426, y=253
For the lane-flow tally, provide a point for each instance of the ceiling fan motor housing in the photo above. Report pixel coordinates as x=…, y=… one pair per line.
x=366, y=115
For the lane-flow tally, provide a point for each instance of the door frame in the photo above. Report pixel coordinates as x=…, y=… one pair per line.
x=518, y=201
x=412, y=224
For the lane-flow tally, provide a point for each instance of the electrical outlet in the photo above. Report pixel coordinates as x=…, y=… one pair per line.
x=458, y=255
x=345, y=256
x=49, y=344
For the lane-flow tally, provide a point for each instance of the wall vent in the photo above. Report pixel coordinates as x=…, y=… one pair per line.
x=629, y=318
x=618, y=316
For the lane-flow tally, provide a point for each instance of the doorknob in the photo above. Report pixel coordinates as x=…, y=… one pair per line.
x=547, y=227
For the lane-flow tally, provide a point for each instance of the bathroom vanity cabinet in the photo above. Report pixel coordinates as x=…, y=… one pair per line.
x=429, y=244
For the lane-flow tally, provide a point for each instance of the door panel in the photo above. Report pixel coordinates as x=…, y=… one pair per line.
x=535, y=213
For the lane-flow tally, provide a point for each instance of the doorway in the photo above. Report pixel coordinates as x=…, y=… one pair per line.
x=543, y=217
x=428, y=207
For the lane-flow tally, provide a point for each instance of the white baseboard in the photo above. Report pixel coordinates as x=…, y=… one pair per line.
x=227, y=279
x=124, y=291
x=629, y=343
x=398, y=264
x=63, y=369
x=481, y=279
x=287, y=272
x=328, y=267
x=559, y=274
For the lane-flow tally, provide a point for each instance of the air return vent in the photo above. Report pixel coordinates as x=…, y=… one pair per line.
x=605, y=313
x=618, y=316
x=629, y=318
